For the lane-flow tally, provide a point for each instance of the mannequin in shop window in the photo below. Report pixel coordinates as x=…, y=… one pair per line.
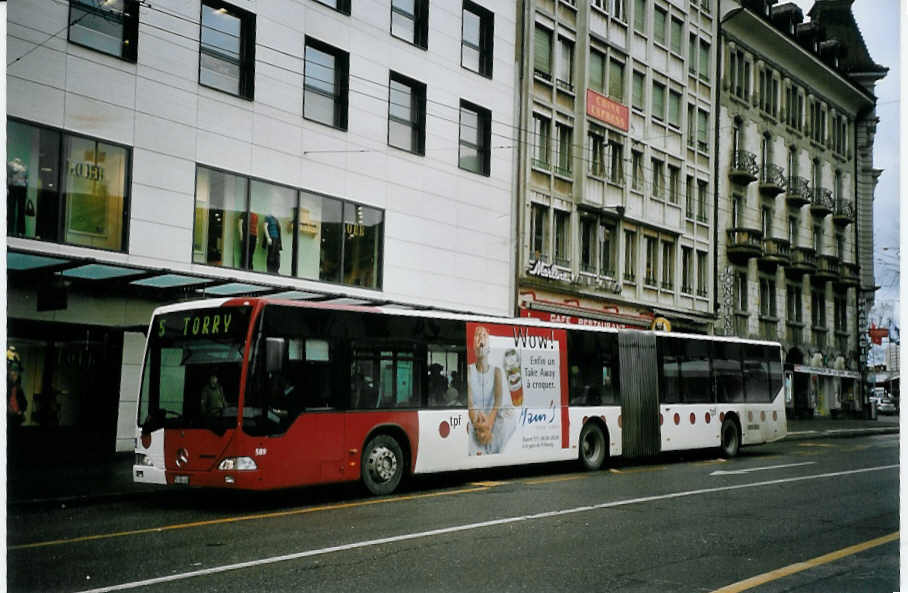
x=17, y=190
x=247, y=249
x=15, y=395
x=271, y=243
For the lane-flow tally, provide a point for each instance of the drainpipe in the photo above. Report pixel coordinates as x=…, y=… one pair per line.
x=520, y=153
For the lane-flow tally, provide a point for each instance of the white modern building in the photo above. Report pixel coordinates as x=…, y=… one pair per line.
x=346, y=151
x=615, y=179
x=795, y=192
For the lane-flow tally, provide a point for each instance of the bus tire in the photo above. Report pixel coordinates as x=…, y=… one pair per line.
x=730, y=438
x=382, y=465
x=592, y=446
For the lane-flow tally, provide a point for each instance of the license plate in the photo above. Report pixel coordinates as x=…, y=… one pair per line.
x=181, y=480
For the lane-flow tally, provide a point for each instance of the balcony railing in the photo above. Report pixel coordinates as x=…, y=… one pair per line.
x=803, y=261
x=821, y=202
x=843, y=212
x=776, y=252
x=744, y=244
x=848, y=275
x=744, y=167
x=827, y=268
x=772, y=180
x=797, y=191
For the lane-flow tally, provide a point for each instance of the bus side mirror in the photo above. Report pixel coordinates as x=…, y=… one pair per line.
x=275, y=353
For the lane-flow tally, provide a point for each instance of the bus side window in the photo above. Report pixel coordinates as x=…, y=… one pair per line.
x=727, y=372
x=669, y=357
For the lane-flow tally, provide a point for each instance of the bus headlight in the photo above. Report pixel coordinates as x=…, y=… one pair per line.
x=237, y=464
x=142, y=459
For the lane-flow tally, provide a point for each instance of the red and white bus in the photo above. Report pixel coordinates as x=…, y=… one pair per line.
x=257, y=393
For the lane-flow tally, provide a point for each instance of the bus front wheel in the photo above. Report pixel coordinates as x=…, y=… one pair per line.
x=383, y=465
x=592, y=446
x=731, y=438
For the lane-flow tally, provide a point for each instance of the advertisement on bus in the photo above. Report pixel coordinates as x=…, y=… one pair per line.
x=516, y=390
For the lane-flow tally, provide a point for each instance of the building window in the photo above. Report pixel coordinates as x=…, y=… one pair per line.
x=652, y=255
x=587, y=244
x=65, y=188
x=410, y=21
x=739, y=74
x=565, y=133
x=767, y=297
x=478, y=35
x=539, y=222
x=630, y=255
x=406, y=114
x=704, y=60
x=616, y=80
x=341, y=6
x=637, y=166
x=658, y=106
x=227, y=49
x=326, y=84
x=818, y=238
x=690, y=209
x=260, y=226
x=677, y=35
x=668, y=265
x=674, y=109
x=616, y=161
x=840, y=246
x=638, y=100
x=701, y=201
x=792, y=162
x=640, y=16
x=674, y=184
x=702, y=130
x=475, y=138
x=659, y=21
x=542, y=127
x=597, y=246
x=597, y=153
x=658, y=178
x=606, y=248
x=818, y=309
x=702, y=273
x=542, y=52
x=563, y=238
x=597, y=71
x=691, y=126
x=794, y=309
x=687, y=270
x=840, y=312
x=766, y=221
x=737, y=210
x=565, y=79
x=692, y=54
x=111, y=27
x=793, y=231
x=741, y=291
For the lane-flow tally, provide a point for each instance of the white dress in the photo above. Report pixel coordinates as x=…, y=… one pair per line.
x=482, y=386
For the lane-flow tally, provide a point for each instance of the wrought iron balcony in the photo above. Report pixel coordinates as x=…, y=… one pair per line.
x=843, y=212
x=821, y=202
x=776, y=252
x=743, y=167
x=803, y=261
x=744, y=244
x=797, y=191
x=827, y=268
x=848, y=276
x=772, y=180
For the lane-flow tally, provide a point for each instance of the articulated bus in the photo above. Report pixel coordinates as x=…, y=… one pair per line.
x=257, y=394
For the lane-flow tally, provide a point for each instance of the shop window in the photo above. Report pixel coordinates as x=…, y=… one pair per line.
x=410, y=21
x=88, y=176
x=110, y=27
x=329, y=239
x=475, y=138
x=406, y=114
x=478, y=34
x=227, y=49
x=326, y=84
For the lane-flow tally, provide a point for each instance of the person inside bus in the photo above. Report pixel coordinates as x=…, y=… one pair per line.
x=438, y=386
x=213, y=402
x=485, y=385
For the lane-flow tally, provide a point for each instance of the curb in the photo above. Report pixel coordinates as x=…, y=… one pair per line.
x=842, y=433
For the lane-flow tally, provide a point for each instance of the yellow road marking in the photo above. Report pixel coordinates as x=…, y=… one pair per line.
x=824, y=445
x=225, y=520
x=808, y=564
x=637, y=470
x=488, y=484
x=557, y=479
x=712, y=461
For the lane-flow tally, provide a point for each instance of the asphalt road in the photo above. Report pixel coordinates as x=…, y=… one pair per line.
x=689, y=523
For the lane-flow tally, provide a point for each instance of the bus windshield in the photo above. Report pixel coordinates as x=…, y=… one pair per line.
x=192, y=369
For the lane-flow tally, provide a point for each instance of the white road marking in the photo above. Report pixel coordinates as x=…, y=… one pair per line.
x=468, y=527
x=757, y=469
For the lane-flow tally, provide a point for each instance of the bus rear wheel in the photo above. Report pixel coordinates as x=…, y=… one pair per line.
x=731, y=438
x=383, y=465
x=592, y=446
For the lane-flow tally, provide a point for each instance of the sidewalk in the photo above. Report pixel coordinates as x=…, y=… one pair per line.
x=111, y=480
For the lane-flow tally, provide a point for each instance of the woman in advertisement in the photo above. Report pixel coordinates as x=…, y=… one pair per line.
x=485, y=388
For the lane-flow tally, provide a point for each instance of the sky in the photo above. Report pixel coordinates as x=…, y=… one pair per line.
x=879, y=24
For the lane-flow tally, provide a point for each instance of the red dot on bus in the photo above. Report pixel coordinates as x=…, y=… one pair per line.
x=444, y=429
x=707, y=417
x=677, y=419
x=693, y=418
x=750, y=416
